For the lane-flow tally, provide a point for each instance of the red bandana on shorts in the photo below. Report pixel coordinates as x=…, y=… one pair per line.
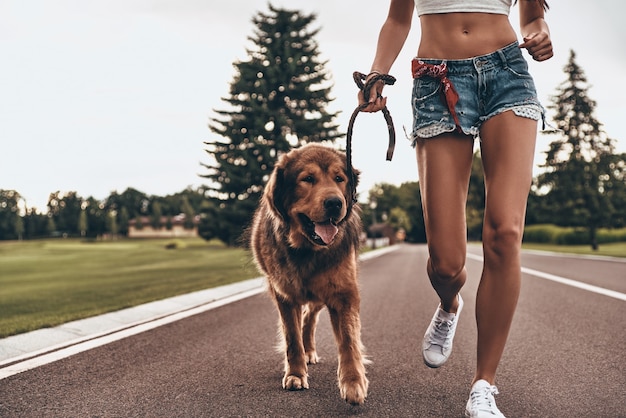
x=440, y=72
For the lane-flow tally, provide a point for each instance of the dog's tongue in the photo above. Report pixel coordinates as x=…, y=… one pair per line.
x=326, y=231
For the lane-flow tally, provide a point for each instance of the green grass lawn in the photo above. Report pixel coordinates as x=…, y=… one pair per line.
x=49, y=282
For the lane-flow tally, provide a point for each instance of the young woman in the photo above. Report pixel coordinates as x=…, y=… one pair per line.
x=470, y=81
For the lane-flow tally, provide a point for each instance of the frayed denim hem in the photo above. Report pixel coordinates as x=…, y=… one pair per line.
x=526, y=110
x=433, y=129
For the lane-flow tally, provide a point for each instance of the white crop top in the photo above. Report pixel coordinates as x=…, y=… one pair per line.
x=426, y=7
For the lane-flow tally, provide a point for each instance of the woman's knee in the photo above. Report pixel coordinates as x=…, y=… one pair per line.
x=447, y=268
x=502, y=239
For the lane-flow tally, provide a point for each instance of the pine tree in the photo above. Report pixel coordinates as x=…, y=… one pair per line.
x=278, y=100
x=581, y=165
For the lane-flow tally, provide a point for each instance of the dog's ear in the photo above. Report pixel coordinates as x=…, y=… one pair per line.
x=274, y=193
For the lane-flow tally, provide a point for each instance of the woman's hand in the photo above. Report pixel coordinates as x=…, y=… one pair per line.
x=376, y=100
x=538, y=45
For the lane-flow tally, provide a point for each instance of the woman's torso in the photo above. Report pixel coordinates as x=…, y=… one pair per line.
x=463, y=35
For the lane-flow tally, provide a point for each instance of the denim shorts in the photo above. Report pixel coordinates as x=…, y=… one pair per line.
x=487, y=85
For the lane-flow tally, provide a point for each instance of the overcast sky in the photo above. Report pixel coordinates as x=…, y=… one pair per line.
x=97, y=96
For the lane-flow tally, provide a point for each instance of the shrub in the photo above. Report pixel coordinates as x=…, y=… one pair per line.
x=552, y=234
x=541, y=233
x=611, y=235
x=573, y=236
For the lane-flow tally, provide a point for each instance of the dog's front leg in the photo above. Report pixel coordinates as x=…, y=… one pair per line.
x=309, y=324
x=351, y=371
x=295, y=362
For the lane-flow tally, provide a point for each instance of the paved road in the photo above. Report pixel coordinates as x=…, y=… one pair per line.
x=565, y=357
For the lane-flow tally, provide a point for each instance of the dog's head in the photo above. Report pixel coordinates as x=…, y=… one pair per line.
x=311, y=191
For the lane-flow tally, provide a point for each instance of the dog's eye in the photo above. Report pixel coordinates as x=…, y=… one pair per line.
x=308, y=179
x=339, y=179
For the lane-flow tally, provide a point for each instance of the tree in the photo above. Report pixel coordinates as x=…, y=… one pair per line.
x=382, y=198
x=9, y=214
x=96, y=217
x=35, y=224
x=155, y=217
x=278, y=100
x=613, y=185
x=401, y=205
x=411, y=198
x=19, y=227
x=51, y=226
x=135, y=202
x=582, y=173
x=111, y=222
x=190, y=214
x=123, y=220
x=188, y=201
x=83, y=223
x=399, y=219
x=65, y=209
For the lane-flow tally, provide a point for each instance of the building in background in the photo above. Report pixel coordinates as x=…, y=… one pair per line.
x=170, y=227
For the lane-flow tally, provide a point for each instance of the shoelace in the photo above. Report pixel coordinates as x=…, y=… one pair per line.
x=483, y=400
x=441, y=336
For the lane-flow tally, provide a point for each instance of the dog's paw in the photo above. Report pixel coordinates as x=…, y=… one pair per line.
x=354, y=392
x=312, y=357
x=292, y=382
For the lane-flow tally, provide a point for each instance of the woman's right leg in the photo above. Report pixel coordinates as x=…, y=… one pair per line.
x=444, y=165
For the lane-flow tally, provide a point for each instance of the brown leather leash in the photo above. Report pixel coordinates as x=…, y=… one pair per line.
x=365, y=87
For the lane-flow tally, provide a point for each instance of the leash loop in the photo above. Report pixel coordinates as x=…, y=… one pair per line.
x=366, y=86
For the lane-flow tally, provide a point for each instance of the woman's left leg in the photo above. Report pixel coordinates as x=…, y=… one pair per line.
x=507, y=150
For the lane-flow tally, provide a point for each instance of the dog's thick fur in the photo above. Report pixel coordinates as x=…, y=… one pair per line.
x=305, y=239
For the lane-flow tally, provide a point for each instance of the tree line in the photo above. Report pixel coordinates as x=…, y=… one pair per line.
x=70, y=215
x=278, y=99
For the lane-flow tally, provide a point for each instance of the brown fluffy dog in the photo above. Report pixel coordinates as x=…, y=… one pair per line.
x=305, y=239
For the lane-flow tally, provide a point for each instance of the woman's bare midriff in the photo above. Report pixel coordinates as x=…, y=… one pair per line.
x=463, y=35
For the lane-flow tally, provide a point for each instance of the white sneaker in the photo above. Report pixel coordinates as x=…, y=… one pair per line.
x=437, y=343
x=481, y=403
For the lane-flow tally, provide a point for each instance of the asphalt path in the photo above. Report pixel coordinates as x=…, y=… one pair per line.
x=565, y=356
